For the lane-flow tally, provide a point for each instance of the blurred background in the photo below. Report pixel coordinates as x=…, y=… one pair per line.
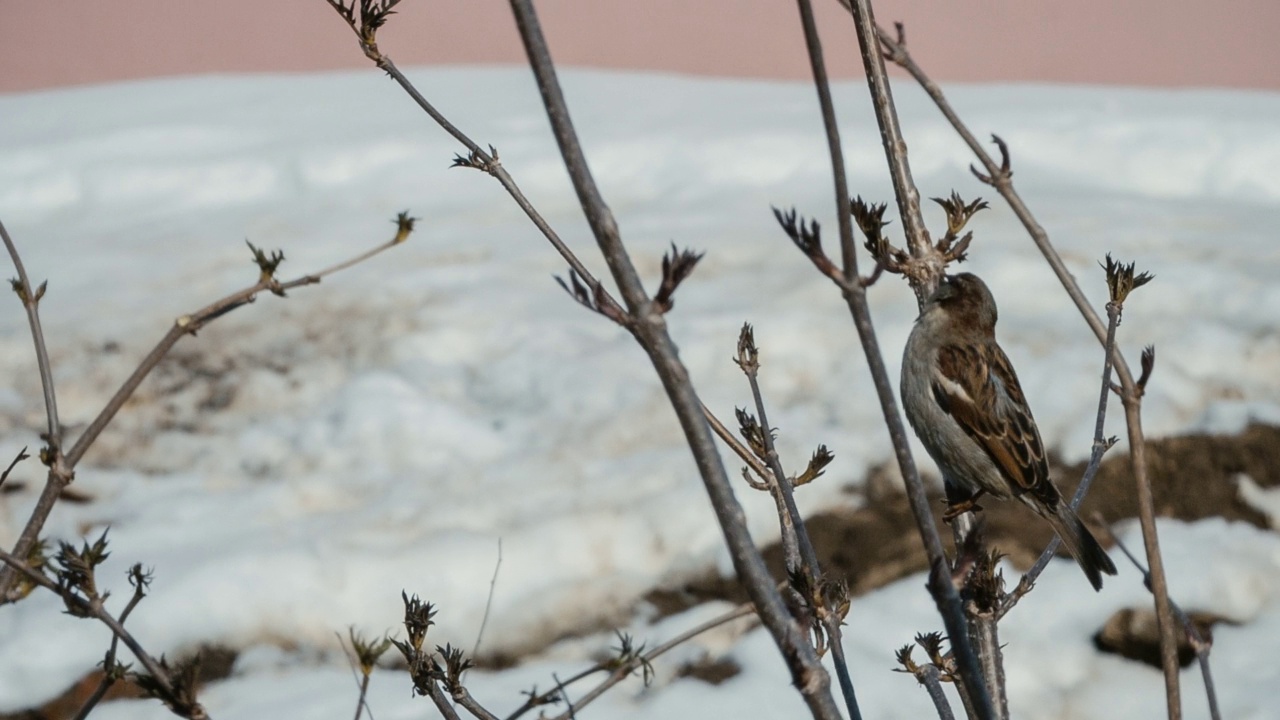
x=1119, y=42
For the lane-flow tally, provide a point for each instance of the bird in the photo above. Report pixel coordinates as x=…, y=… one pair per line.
x=962, y=398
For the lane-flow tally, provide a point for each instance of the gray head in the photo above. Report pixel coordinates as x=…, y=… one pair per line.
x=965, y=298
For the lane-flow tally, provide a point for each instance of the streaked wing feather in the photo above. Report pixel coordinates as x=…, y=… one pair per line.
x=977, y=386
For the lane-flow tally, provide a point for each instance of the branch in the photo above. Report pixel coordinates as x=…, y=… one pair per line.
x=1100, y=446
x=111, y=670
x=650, y=331
x=62, y=471
x=754, y=463
x=1199, y=643
x=802, y=559
x=366, y=654
x=624, y=670
x=940, y=584
x=928, y=677
x=619, y=671
x=22, y=455
x=1122, y=280
x=488, y=603
x=930, y=674
x=999, y=176
x=1132, y=401
x=31, y=303
x=95, y=609
x=895, y=148
x=477, y=158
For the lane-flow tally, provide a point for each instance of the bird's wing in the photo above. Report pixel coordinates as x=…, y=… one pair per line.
x=976, y=385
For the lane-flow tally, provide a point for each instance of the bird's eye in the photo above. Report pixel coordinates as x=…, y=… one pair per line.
x=946, y=289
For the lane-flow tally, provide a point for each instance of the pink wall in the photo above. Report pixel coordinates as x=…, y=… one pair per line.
x=1133, y=42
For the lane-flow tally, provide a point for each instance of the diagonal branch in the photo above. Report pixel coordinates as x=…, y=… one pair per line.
x=31, y=303
x=999, y=176
x=96, y=610
x=62, y=471
x=1100, y=446
x=941, y=585
x=650, y=331
x=1199, y=642
x=802, y=559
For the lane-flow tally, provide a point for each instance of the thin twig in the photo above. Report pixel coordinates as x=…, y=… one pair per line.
x=792, y=524
x=929, y=677
x=999, y=176
x=1100, y=446
x=1132, y=401
x=22, y=455
x=441, y=701
x=1198, y=642
x=490, y=163
x=97, y=610
x=940, y=584
x=895, y=147
x=463, y=697
x=478, y=157
x=364, y=692
x=735, y=444
x=109, y=674
x=488, y=603
x=61, y=472
x=570, y=714
x=31, y=303
x=623, y=671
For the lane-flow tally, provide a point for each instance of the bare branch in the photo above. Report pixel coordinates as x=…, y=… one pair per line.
x=62, y=469
x=113, y=671
x=650, y=331
x=1101, y=445
x=22, y=455
x=808, y=239
x=589, y=292
x=929, y=674
x=940, y=585
x=476, y=157
x=488, y=603
x=638, y=661
x=94, y=608
x=999, y=175
x=1201, y=644
x=31, y=303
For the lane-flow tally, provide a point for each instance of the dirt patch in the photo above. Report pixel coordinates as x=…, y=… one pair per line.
x=712, y=671
x=1134, y=634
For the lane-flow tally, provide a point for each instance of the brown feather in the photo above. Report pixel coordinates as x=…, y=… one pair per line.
x=1001, y=426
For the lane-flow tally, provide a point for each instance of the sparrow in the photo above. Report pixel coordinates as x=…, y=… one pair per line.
x=964, y=402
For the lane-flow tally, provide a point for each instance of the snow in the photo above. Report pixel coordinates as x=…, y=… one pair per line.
x=291, y=469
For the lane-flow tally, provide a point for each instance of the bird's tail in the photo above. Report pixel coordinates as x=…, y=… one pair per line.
x=1082, y=545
